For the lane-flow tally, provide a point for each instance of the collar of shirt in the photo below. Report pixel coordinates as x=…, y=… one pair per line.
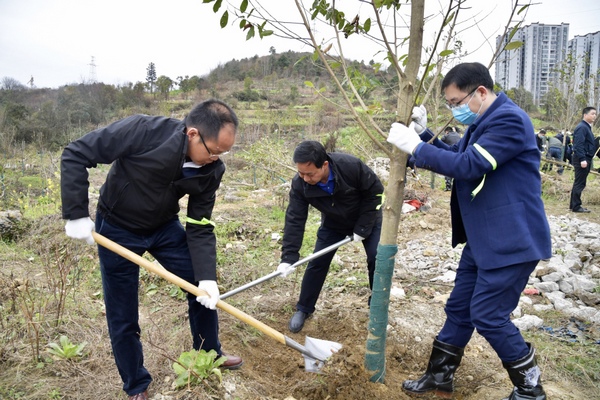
x=330, y=184
x=190, y=169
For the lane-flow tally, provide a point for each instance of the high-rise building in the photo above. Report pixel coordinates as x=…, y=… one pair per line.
x=584, y=54
x=532, y=66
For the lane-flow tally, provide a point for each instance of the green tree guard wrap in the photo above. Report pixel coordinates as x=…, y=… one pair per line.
x=378, y=315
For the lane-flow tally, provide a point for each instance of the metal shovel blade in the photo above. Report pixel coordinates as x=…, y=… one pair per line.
x=323, y=349
x=315, y=352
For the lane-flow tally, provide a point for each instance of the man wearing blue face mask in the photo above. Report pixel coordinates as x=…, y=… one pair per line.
x=497, y=211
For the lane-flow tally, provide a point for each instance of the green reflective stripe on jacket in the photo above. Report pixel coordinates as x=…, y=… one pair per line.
x=203, y=221
x=478, y=188
x=486, y=155
x=382, y=195
x=491, y=160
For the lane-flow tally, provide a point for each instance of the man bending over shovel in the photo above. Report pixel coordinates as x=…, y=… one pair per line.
x=155, y=162
x=349, y=196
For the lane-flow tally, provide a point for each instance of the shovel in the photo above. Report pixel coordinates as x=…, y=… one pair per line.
x=296, y=264
x=316, y=351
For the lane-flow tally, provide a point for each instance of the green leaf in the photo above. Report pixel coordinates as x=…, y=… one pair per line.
x=513, y=31
x=523, y=9
x=264, y=32
x=207, y=1
x=367, y=25
x=309, y=84
x=217, y=6
x=244, y=6
x=449, y=19
x=513, y=45
x=250, y=33
x=224, y=19
x=446, y=53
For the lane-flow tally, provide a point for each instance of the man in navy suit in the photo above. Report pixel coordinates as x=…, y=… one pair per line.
x=584, y=149
x=497, y=211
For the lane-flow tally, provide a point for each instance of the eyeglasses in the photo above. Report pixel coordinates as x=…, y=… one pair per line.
x=458, y=104
x=210, y=154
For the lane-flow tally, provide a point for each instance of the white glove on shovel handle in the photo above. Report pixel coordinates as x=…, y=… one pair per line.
x=357, y=238
x=212, y=289
x=285, y=269
x=404, y=138
x=80, y=229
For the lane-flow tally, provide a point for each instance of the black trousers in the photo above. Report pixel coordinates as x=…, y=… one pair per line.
x=579, y=183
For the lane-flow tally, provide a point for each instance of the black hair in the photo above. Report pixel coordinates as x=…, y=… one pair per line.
x=209, y=117
x=469, y=76
x=310, y=151
x=587, y=110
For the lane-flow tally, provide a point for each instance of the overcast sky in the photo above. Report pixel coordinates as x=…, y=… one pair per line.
x=54, y=41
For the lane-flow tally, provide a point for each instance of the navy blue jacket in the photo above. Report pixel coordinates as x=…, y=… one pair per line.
x=496, y=202
x=584, y=146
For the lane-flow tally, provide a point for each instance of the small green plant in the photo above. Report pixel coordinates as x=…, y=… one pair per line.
x=66, y=350
x=194, y=366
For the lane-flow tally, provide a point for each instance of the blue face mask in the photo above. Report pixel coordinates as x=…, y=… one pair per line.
x=464, y=115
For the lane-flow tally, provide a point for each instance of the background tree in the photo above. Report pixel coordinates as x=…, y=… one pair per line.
x=164, y=85
x=562, y=103
x=151, y=77
x=522, y=98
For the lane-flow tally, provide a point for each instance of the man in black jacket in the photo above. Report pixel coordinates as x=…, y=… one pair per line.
x=155, y=162
x=349, y=196
x=583, y=153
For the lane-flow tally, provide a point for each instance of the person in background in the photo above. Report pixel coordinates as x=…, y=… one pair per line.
x=451, y=137
x=155, y=162
x=349, y=196
x=584, y=150
x=555, y=152
x=497, y=211
x=541, y=140
x=567, y=146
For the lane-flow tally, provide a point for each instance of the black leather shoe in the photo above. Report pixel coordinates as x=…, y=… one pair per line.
x=297, y=321
x=233, y=362
x=581, y=210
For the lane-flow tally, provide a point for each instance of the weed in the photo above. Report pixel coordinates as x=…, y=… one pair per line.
x=66, y=350
x=193, y=367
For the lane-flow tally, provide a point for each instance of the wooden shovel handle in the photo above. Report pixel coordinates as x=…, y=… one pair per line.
x=185, y=285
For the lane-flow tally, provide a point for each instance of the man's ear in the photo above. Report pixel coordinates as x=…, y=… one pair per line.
x=191, y=132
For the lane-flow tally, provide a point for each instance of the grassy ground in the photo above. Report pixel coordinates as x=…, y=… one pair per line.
x=50, y=287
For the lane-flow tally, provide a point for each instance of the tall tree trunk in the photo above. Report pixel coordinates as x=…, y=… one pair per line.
x=388, y=246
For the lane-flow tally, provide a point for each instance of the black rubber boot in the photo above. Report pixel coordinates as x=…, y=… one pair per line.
x=525, y=375
x=439, y=376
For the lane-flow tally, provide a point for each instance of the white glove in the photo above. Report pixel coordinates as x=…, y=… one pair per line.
x=212, y=289
x=80, y=229
x=358, y=238
x=404, y=138
x=285, y=269
x=419, y=116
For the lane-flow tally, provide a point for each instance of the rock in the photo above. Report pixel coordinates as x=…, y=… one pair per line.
x=527, y=322
x=547, y=287
x=10, y=224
